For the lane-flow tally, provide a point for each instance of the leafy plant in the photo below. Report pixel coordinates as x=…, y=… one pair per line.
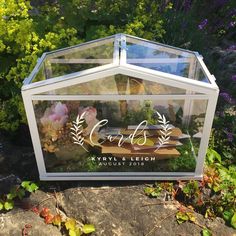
x=183, y=216
x=73, y=227
x=29, y=186
x=23, y=38
x=214, y=195
x=16, y=192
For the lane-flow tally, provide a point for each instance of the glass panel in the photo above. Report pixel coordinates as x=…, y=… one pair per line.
x=40, y=75
x=118, y=85
x=161, y=58
x=200, y=75
x=119, y=136
x=76, y=59
x=80, y=59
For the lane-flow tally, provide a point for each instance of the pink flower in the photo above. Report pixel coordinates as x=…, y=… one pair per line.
x=90, y=118
x=90, y=114
x=55, y=117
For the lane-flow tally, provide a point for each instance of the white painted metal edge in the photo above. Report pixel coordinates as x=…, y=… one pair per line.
x=123, y=48
x=181, y=81
x=129, y=61
x=163, y=78
x=113, y=97
x=35, y=70
x=65, y=80
x=112, y=178
x=207, y=72
x=34, y=133
x=210, y=112
x=56, y=174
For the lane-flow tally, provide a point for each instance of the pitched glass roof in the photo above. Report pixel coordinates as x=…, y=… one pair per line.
x=118, y=50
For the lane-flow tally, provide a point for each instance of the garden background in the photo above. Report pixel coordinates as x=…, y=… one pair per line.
x=29, y=28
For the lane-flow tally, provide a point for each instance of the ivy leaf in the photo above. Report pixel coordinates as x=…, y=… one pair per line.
x=25, y=184
x=181, y=217
x=75, y=232
x=206, y=232
x=212, y=155
x=70, y=224
x=30, y=187
x=44, y=212
x=8, y=205
x=16, y=192
x=49, y=218
x=11, y=196
x=87, y=229
x=227, y=215
x=233, y=220
x=191, y=217
x=153, y=192
x=33, y=187
x=35, y=210
x=57, y=220
x=20, y=193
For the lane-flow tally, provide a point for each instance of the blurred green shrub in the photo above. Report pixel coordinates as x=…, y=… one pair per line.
x=22, y=40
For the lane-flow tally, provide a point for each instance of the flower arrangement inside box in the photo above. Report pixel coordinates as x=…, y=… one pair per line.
x=95, y=135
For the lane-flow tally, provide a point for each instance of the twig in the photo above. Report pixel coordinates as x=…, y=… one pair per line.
x=158, y=226
x=55, y=195
x=159, y=203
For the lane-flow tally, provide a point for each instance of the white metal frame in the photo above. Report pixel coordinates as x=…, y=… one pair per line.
x=199, y=90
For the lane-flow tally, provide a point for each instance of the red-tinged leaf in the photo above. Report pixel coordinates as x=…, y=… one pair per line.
x=57, y=220
x=35, y=210
x=49, y=219
x=44, y=212
x=25, y=230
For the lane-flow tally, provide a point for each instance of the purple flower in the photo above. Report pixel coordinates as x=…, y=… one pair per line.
x=232, y=47
x=203, y=24
x=230, y=137
x=232, y=23
x=228, y=98
x=233, y=78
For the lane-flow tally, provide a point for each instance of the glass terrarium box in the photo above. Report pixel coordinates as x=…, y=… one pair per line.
x=120, y=107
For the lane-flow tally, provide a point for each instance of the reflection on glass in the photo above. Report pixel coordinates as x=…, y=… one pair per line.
x=118, y=85
x=163, y=58
x=40, y=75
x=119, y=136
x=76, y=59
x=81, y=59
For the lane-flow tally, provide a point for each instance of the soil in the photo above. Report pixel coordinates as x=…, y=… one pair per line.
x=115, y=208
